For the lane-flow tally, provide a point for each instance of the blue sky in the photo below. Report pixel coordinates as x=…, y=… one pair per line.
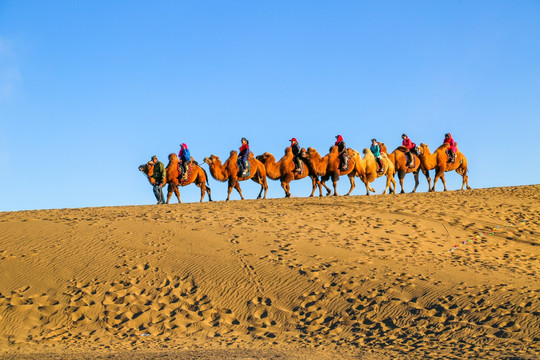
x=89, y=90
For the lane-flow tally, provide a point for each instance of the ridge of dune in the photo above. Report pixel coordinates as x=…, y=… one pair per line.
x=332, y=277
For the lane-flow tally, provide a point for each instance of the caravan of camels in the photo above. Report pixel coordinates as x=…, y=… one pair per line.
x=298, y=163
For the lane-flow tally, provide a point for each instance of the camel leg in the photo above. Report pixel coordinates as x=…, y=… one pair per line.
x=368, y=188
x=416, y=181
x=443, y=181
x=334, y=183
x=428, y=178
x=328, y=191
x=401, y=176
x=388, y=182
x=366, y=182
x=203, y=190
x=169, y=192
x=261, y=181
x=466, y=180
x=353, y=185
x=208, y=192
x=285, y=188
x=438, y=174
x=264, y=187
x=314, y=186
x=237, y=187
x=177, y=193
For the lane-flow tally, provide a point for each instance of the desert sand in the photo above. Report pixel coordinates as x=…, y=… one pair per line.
x=427, y=275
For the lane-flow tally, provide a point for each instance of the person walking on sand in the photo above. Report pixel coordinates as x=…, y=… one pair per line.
x=160, y=179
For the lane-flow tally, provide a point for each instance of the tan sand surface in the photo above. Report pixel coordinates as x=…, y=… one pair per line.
x=302, y=278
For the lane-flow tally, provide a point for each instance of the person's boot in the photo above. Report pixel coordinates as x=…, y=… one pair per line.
x=246, y=169
x=185, y=174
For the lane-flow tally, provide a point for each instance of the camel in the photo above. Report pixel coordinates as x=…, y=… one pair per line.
x=283, y=170
x=229, y=172
x=328, y=166
x=438, y=161
x=366, y=170
x=197, y=175
x=399, y=159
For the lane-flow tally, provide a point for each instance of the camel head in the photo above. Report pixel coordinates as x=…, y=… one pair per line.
x=148, y=168
x=262, y=158
x=308, y=154
x=422, y=149
x=211, y=160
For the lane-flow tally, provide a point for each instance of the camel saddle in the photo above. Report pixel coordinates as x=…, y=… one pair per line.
x=245, y=171
x=344, y=166
x=184, y=177
x=412, y=164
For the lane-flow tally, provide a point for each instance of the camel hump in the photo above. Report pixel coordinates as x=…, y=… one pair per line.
x=443, y=146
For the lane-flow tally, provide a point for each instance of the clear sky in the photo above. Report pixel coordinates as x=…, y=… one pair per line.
x=89, y=90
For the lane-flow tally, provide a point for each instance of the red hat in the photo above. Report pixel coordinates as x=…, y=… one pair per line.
x=293, y=140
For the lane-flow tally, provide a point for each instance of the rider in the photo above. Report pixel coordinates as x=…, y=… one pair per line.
x=243, y=162
x=376, y=150
x=451, y=148
x=295, y=147
x=342, y=149
x=184, y=160
x=409, y=146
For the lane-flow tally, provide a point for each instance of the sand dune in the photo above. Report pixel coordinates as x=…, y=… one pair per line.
x=440, y=275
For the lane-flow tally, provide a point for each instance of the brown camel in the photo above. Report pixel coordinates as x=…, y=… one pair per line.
x=196, y=175
x=399, y=159
x=366, y=170
x=439, y=161
x=283, y=170
x=229, y=172
x=328, y=166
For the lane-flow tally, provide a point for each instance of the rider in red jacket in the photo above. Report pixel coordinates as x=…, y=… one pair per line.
x=409, y=145
x=342, y=149
x=451, y=148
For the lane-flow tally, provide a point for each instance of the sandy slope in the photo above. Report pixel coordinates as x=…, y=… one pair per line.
x=367, y=277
